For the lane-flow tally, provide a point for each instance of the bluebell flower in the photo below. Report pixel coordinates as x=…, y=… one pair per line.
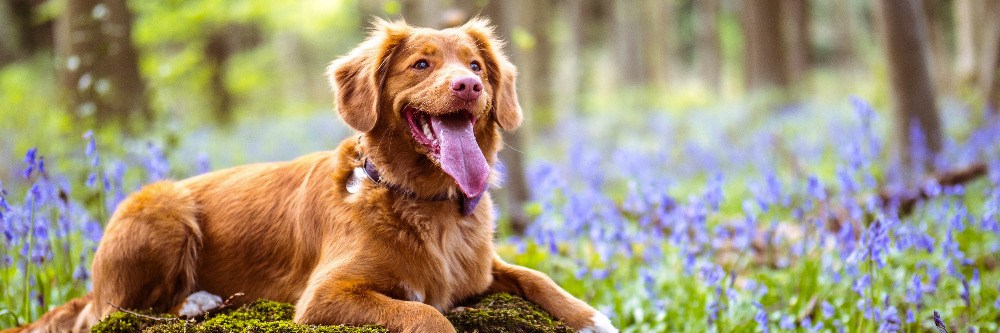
x=965, y=292
x=861, y=284
x=911, y=317
x=939, y=323
x=204, y=165
x=92, y=231
x=81, y=273
x=761, y=317
x=827, y=309
x=808, y=325
x=787, y=322
x=915, y=291
x=713, y=193
x=815, y=188
x=157, y=166
x=890, y=321
x=31, y=159
x=712, y=309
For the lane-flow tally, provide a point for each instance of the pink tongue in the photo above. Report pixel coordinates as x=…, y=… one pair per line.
x=460, y=154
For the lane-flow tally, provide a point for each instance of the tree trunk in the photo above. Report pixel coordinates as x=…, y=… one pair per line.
x=968, y=25
x=844, y=53
x=991, y=59
x=99, y=63
x=628, y=44
x=904, y=36
x=12, y=33
x=536, y=63
x=709, y=47
x=513, y=194
x=219, y=48
x=935, y=11
x=798, y=38
x=660, y=22
x=764, y=45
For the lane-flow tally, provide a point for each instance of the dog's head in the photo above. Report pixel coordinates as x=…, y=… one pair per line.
x=429, y=102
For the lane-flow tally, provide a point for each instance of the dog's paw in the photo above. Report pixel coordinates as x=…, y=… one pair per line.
x=198, y=303
x=599, y=324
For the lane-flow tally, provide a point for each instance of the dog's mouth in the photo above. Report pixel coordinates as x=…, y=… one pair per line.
x=450, y=141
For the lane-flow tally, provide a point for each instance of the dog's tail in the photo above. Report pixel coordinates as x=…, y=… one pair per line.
x=75, y=316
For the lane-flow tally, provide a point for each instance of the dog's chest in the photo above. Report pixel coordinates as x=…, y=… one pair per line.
x=457, y=268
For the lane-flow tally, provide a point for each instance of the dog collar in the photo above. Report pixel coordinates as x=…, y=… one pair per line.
x=369, y=170
x=466, y=205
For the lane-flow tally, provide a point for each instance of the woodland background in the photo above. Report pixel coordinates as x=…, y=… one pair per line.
x=656, y=132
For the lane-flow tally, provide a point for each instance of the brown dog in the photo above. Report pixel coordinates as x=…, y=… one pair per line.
x=394, y=227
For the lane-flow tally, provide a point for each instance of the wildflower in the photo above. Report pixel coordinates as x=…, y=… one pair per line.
x=808, y=325
x=787, y=322
x=156, y=163
x=839, y=326
x=965, y=292
x=712, y=274
x=942, y=328
x=828, y=310
x=890, y=320
x=31, y=159
x=914, y=294
x=815, y=188
x=761, y=317
x=80, y=273
x=713, y=193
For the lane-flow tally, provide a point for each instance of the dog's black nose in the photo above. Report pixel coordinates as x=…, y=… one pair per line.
x=467, y=88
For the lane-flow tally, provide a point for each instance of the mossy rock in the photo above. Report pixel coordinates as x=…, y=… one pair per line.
x=499, y=313
x=492, y=313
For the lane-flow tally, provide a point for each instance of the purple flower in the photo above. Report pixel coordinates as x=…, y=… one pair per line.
x=761, y=317
x=91, y=144
x=815, y=188
x=914, y=294
x=80, y=273
x=942, y=328
x=890, y=320
x=808, y=325
x=205, y=165
x=787, y=322
x=31, y=159
x=828, y=310
x=712, y=274
x=713, y=193
x=157, y=165
x=861, y=284
x=965, y=292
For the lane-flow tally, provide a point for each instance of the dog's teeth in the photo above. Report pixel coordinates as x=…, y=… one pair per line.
x=427, y=131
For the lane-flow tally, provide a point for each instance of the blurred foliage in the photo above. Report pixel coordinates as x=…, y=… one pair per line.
x=662, y=145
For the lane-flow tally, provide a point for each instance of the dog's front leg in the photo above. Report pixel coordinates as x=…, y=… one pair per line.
x=353, y=303
x=540, y=289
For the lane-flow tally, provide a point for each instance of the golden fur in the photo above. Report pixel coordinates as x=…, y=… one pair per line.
x=292, y=232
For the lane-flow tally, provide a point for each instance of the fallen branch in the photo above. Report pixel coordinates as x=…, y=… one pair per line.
x=154, y=318
x=904, y=201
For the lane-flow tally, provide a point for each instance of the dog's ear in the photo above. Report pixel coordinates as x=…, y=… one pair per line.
x=500, y=73
x=357, y=78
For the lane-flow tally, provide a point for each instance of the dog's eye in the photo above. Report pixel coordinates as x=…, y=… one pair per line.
x=475, y=66
x=421, y=64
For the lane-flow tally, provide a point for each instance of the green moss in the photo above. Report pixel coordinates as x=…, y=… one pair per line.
x=505, y=313
x=492, y=313
x=121, y=322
